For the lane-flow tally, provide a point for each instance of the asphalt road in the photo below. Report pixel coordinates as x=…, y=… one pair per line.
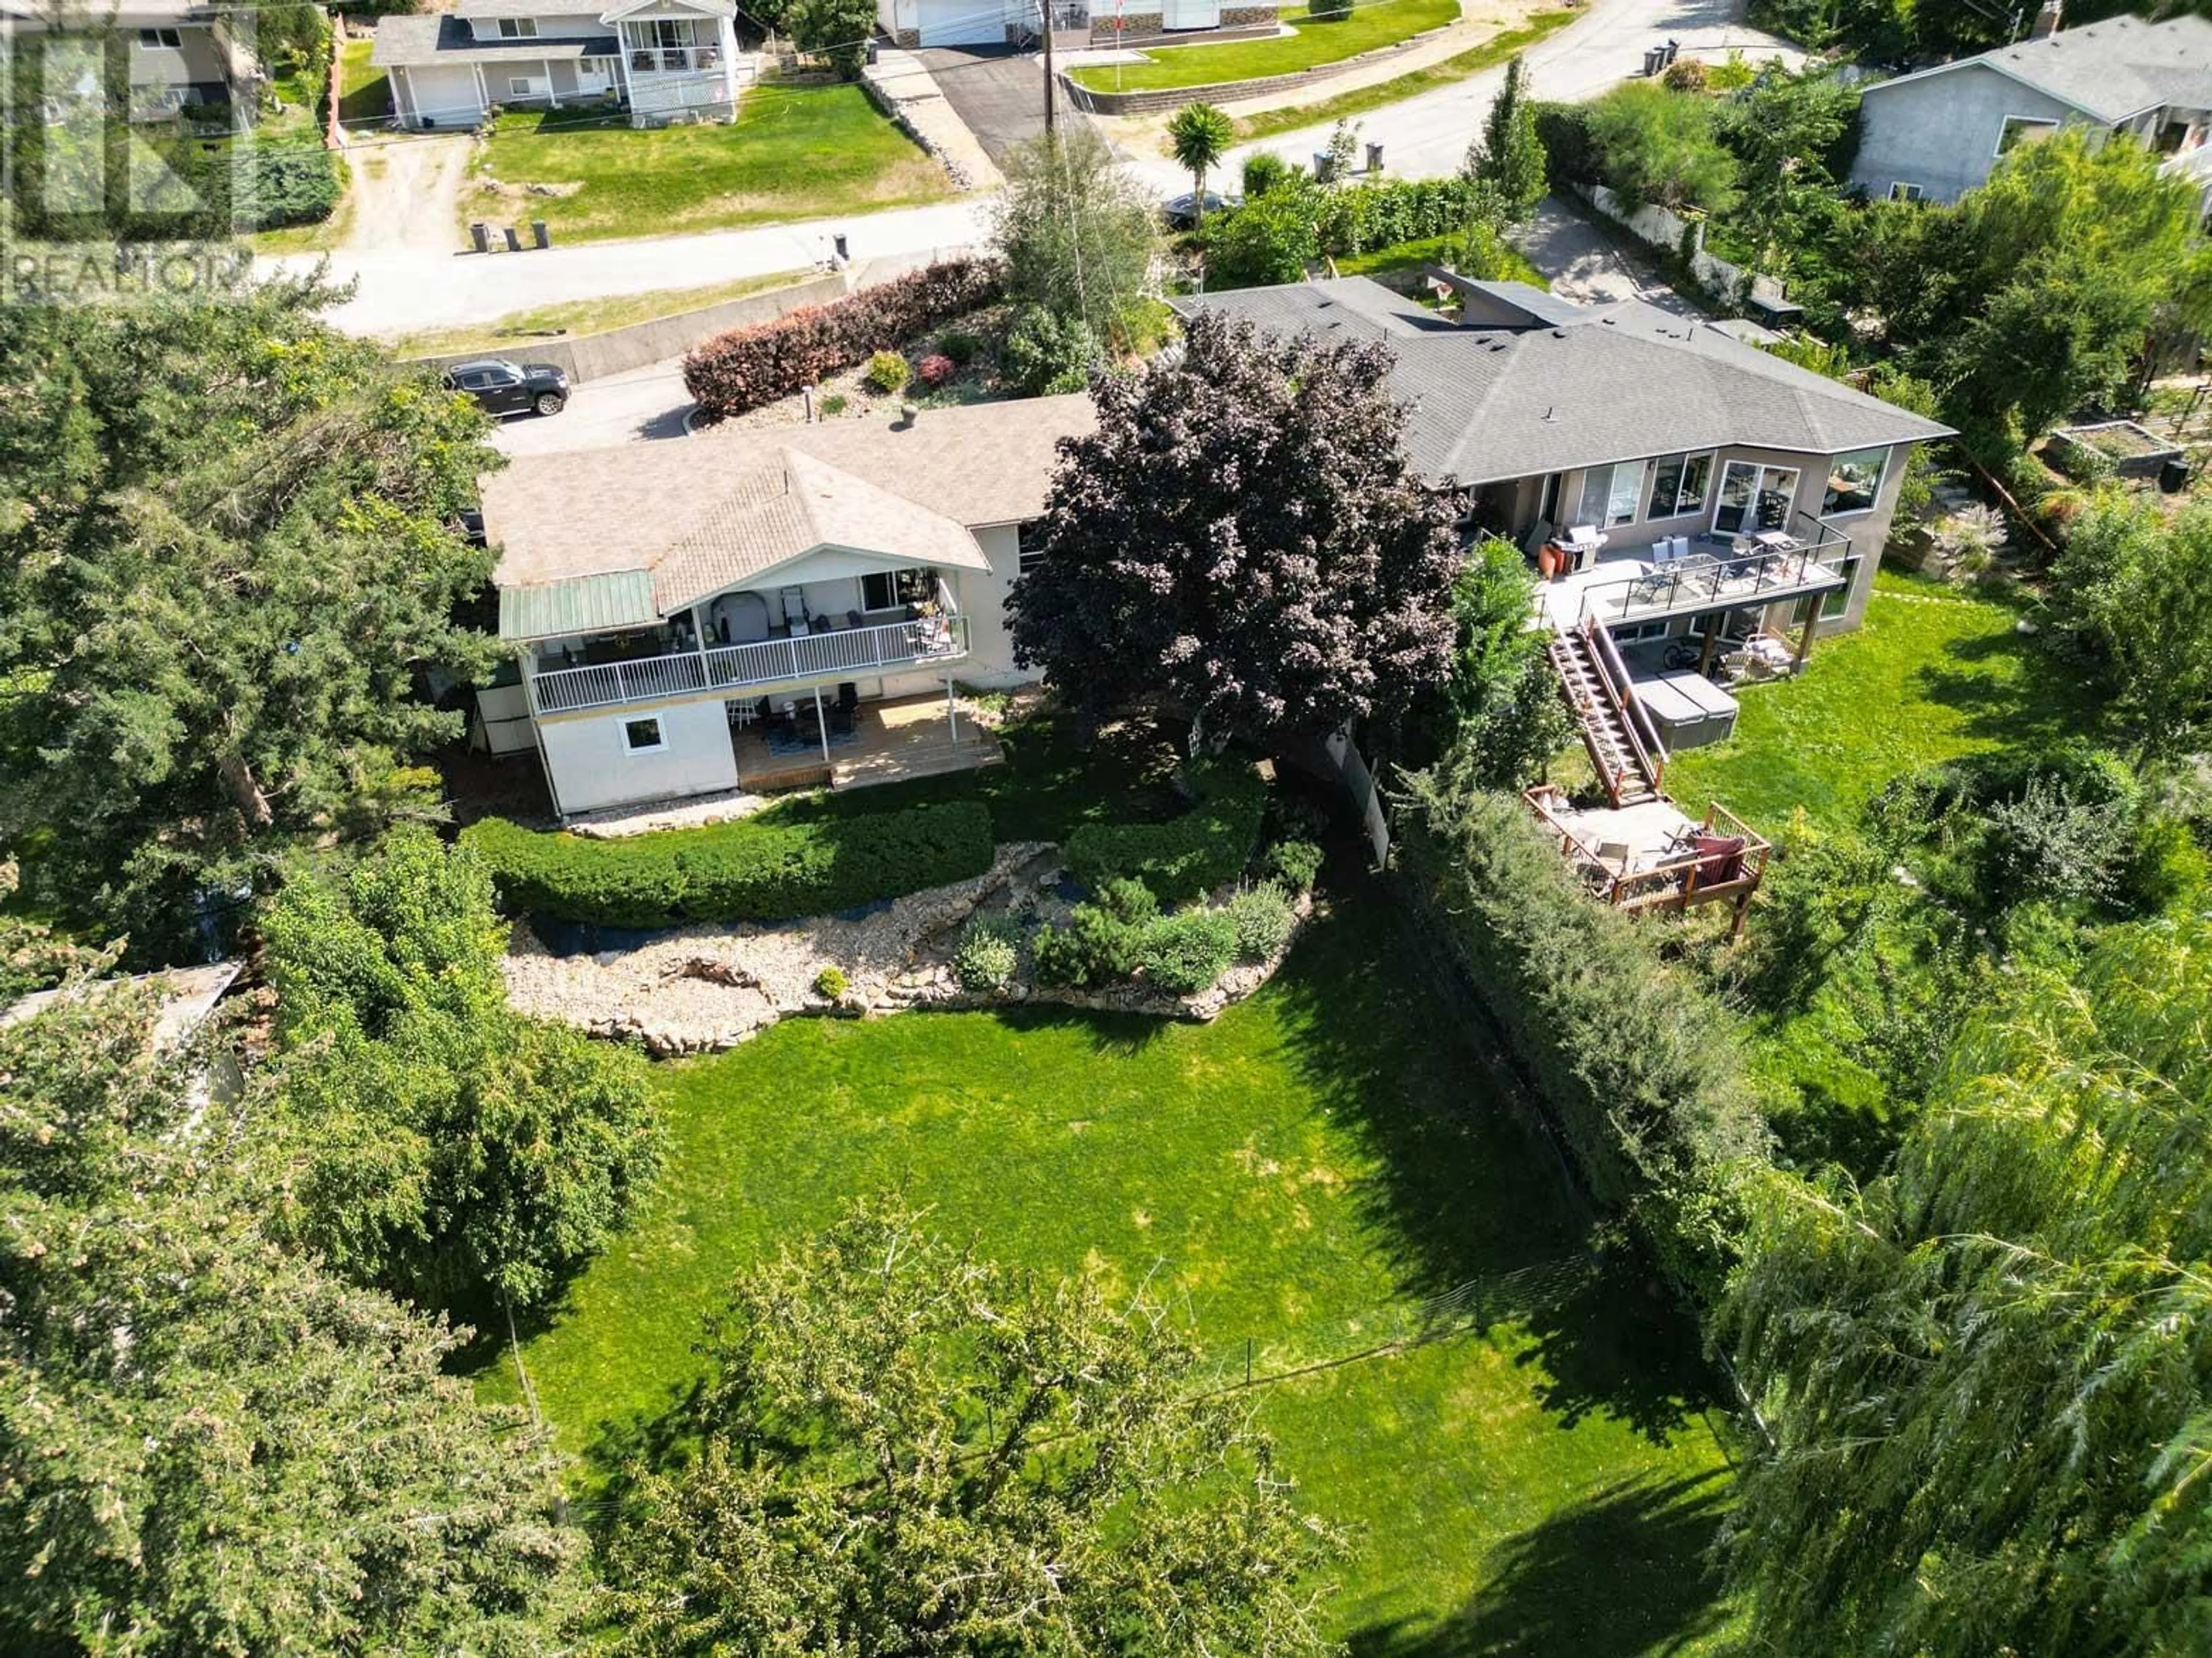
x=998, y=91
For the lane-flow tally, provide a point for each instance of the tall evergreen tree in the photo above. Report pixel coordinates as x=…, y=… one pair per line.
x=1989, y=1375
x=1510, y=155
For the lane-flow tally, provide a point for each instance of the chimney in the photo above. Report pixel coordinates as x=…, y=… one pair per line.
x=2047, y=19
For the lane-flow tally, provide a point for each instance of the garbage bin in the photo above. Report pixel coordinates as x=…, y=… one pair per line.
x=2173, y=476
x=480, y=233
x=1374, y=158
x=513, y=240
x=1320, y=166
x=1673, y=49
x=1654, y=59
x=540, y=234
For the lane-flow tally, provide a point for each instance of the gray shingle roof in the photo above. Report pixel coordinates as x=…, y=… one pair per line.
x=2112, y=69
x=403, y=41
x=1609, y=383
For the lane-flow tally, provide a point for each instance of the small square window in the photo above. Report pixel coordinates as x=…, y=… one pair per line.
x=518, y=85
x=643, y=736
x=1902, y=191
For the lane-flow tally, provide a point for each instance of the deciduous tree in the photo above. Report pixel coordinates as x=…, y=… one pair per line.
x=901, y=1450
x=1243, y=535
x=1078, y=232
x=1662, y=147
x=2135, y=592
x=1508, y=155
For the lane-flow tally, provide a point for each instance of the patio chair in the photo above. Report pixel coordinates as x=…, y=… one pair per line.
x=1720, y=858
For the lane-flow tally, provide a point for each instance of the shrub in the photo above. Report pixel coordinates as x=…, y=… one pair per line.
x=1685, y=75
x=748, y=871
x=1641, y=1069
x=831, y=984
x=936, y=370
x=1270, y=239
x=836, y=404
x=1205, y=848
x=747, y=367
x=1045, y=353
x=1570, y=157
x=1263, y=918
x=1185, y=954
x=887, y=372
x=1100, y=943
x=988, y=953
x=960, y=344
x=1263, y=171
x=1296, y=864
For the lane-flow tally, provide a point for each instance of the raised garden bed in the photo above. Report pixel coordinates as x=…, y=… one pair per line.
x=2132, y=451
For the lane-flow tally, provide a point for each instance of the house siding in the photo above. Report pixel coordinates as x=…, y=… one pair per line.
x=983, y=598
x=590, y=768
x=1941, y=133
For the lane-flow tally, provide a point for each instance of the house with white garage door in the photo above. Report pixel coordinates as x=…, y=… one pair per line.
x=994, y=22
x=662, y=60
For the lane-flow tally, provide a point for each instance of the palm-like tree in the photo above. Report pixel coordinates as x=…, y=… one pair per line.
x=1199, y=136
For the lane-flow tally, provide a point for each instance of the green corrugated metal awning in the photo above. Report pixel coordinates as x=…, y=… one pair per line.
x=581, y=604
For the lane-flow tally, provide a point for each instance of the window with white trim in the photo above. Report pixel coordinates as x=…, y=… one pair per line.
x=1610, y=494
x=643, y=735
x=2019, y=129
x=1030, y=539
x=1833, y=604
x=891, y=590
x=150, y=40
x=1679, y=484
x=518, y=28
x=1754, y=497
x=1902, y=191
x=1854, y=482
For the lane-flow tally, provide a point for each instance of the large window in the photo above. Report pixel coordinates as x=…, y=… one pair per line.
x=518, y=28
x=1754, y=497
x=891, y=590
x=2024, y=129
x=643, y=736
x=1609, y=493
x=1854, y=482
x=1678, y=483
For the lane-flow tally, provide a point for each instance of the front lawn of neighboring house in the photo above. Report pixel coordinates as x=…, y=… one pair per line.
x=1430, y=250
x=364, y=91
x=1933, y=673
x=1452, y=70
x=1313, y=41
x=1302, y=1175
x=797, y=150
x=514, y=332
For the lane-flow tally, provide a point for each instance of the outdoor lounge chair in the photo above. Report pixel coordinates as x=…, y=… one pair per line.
x=1720, y=858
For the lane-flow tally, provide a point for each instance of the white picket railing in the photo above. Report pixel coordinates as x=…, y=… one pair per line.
x=827, y=655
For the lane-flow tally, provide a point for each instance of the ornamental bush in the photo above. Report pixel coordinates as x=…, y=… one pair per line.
x=887, y=372
x=988, y=953
x=1263, y=918
x=748, y=367
x=748, y=871
x=831, y=984
x=1296, y=864
x=936, y=370
x=1186, y=953
x=1099, y=943
x=1205, y=848
x=1045, y=353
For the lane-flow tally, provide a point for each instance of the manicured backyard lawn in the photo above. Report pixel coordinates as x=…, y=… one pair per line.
x=1301, y=1175
x=364, y=91
x=795, y=151
x=1933, y=673
x=1322, y=41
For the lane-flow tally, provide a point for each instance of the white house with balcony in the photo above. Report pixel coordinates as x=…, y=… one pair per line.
x=747, y=610
x=663, y=61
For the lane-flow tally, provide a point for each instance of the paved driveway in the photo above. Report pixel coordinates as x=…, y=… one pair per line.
x=998, y=91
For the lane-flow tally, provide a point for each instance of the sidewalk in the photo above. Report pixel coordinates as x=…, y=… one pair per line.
x=404, y=289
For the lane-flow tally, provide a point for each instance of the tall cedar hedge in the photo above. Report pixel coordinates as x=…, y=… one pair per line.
x=743, y=871
x=1641, y=1068
x=748, y=367
x=1205, y=848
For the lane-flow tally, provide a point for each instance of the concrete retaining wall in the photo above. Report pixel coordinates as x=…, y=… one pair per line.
x=1658, y=228
x=594, y=356
x=1225, y=92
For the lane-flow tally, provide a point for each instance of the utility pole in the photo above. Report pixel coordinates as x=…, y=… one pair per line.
x=1044, y=9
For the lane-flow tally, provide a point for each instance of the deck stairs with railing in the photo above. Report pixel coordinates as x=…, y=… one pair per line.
x=1623, y=744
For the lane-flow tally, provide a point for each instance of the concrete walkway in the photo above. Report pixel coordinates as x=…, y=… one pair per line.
x=401, y=289
x=1583, y=263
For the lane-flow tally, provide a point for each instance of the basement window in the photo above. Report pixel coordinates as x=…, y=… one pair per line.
x=643, y=736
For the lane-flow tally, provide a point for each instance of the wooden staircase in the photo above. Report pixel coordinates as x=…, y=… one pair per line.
x=1623, y=744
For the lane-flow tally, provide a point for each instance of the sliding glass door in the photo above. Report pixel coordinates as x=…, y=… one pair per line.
x=1754, y=497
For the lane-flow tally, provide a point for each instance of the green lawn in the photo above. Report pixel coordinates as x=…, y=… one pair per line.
x=1933, y=673
x=1383, y=23
x=1300, y=1174
x=795, y=151
x=1453, y=69
x=594, y=316
x=1429, y=250
x=364, y=91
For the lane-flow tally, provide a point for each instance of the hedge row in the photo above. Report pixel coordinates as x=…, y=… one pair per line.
x=1204, y=849
x=743, y=871
x=1641, y=1068
x=747, y=367
x=1354, y=218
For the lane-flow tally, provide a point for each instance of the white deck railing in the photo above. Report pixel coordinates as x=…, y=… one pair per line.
x=720, y=668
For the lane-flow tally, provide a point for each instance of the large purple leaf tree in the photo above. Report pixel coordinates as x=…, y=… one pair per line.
x=1243, y=537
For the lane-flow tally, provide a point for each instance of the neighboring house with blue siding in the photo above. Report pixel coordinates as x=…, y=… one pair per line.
x=1937, y=133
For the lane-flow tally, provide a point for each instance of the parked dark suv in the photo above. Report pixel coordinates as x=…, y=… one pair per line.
x=501, y=388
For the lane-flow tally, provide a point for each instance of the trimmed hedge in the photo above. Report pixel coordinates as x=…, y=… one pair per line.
x=740, y=872
x=748, y=367
x=1205, y=848
x=1641, y=1068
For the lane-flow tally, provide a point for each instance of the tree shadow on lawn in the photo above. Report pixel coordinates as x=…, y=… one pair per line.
x=1466, y=1188
x=1625, y=1572
x=2049, y=701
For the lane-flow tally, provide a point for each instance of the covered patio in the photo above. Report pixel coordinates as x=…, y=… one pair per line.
x=886, y=742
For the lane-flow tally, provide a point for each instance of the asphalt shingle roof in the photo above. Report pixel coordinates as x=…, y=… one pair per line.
x=404, y=41
x=2112, y=69
x=1578, y=388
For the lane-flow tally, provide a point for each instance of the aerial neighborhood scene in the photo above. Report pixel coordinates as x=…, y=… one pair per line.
x=892, y=829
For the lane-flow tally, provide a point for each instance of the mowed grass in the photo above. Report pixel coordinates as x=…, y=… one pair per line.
x=1300, y=1174
x=1459, y=67
x=1933, y=673
x=796, y=151
x=364, y=90
x=1313, y=40
x=1427, y=250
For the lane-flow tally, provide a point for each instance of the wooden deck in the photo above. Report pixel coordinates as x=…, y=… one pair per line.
x=894, y=740
x=1631, y=856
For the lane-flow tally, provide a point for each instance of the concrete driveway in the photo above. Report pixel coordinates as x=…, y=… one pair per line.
x=639, y=407
x=998, y=91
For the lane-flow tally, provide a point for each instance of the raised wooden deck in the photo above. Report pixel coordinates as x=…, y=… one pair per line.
x=1633, y=856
